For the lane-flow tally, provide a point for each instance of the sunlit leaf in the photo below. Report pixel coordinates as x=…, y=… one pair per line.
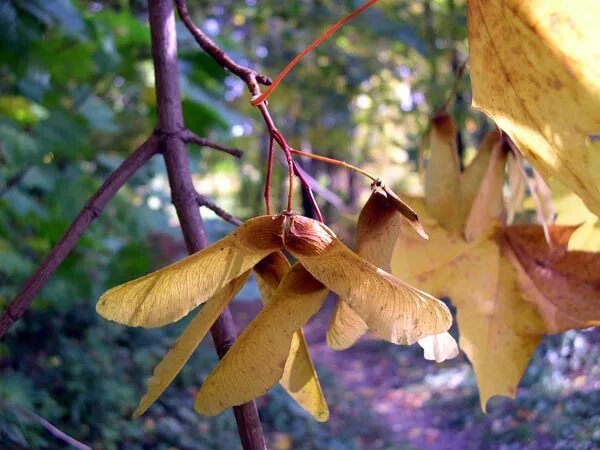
x=442, y=178
x=517, y=184
x=488, y=202
x=166, y=371
x=509, y=287
x=572, y=211
x=535, y=69
x=258, y=357
x=169, y=294
x=473, y=174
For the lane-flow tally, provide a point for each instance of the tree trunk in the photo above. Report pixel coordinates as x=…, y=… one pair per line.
x=170, y=122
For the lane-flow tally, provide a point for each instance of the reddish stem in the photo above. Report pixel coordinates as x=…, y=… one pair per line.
x=92, y=209
x=309, y=192
x=257, y=100
x=269, y=174
x=278, y=137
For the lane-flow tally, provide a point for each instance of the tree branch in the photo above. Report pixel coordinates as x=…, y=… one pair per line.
x=92, y=209
x=190, y=138
x=50, y=428
x=206, y=202
x=168, y=99
x=249, y=76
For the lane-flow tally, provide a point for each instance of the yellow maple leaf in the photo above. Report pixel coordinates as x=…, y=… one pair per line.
x=508, y=285
x=535, y=69
x=570, y=210
x=443, y=192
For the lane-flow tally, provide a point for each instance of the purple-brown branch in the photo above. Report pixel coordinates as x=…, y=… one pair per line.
x=207, y=203
x=249, y=76
x=92, y=209
x=170, y=117
x=190, y=138
x=252, y=78
x=170, y=138
x=54, y=431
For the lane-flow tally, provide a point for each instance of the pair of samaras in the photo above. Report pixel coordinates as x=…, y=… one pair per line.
x=272, y=348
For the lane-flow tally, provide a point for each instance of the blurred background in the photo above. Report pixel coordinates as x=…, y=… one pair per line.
x=76, y=96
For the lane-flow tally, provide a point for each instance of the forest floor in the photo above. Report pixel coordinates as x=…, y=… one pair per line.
x=419, y=404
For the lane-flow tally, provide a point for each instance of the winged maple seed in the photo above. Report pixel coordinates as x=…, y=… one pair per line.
x=377, y=231
x=391, y=308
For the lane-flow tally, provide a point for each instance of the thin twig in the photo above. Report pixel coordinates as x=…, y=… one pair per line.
x=191, y=138
x=335, y=162
x=257, y=100
x=300, y=173
x=227, y=217
x=50, y=428
x=267, y=192
x=249, y=76
x=92, y=209
x=252, y=78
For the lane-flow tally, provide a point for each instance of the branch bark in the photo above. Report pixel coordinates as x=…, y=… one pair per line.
x=208, y=203
x=191, y=138
x=164, y=53
x=92, y=209
x=249, y=76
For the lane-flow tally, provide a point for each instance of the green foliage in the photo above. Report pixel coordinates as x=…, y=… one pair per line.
x=75, y=99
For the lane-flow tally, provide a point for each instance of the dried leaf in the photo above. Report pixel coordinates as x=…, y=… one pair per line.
x=442, y=177
x=488, y=202
x=474, y=173
x=299, y=377
x=517, y=184
x=391, y=308
x=258, y=357
x=486, y=300
x=509, y=289
x=169, y=294
x=535, y=69
x=166, y=371
x=569, y=282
